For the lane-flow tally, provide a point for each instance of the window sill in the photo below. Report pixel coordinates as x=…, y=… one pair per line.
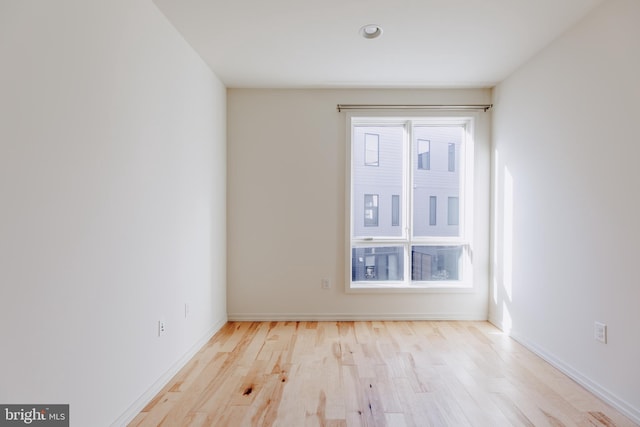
x=418, y=288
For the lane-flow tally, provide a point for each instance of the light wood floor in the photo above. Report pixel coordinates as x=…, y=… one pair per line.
x=295, y=374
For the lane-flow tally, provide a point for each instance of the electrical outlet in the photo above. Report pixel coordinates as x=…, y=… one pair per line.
x=161, y=328
x=600, y=332
x=325, y=283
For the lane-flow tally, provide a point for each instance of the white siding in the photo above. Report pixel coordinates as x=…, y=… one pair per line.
x=437, y=181
x=385, y=180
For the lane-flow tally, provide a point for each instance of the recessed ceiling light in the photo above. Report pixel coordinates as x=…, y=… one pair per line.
x=371, y=31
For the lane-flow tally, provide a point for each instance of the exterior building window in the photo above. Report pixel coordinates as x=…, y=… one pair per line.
x=424, y=154
x=371, y=149
x=370, y=210
x=378, y=264
x=404, y=245
x=433, y=210
x=452, y=157
x=395, y=210
x=435, y=263
x=452, y=211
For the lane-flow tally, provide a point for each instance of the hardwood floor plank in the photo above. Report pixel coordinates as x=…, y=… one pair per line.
x=375, y=373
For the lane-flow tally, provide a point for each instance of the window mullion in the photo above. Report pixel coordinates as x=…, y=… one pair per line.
x=408, y=205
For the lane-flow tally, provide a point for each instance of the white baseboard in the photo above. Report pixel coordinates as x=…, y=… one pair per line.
x=143, y=400
x=620, y=404
x=292, y=317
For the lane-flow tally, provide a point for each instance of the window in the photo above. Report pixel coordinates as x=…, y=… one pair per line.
x=424, y=154
x=371, y=149
x=452, y=211
x=433, y=210
x=395, y=210
x=370, y=210
x=452, y=157
x=406, y=246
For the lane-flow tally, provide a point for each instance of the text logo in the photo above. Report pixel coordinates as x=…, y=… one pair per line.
x=34, y=415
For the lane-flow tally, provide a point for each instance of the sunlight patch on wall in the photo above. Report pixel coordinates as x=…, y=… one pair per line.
x=507, y=235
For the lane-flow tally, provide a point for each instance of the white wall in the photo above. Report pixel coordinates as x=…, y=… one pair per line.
x=567, y=205
x=112, y=193
x=286, y=208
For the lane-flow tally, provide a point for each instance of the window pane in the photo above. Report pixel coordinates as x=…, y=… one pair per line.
x=433, y=210
x=424, y=152
x=370, y=210
x=371, y=149
x=437, y=183
x=452, y=211
x=382, y=181
x=452, y=157
x=436, y=263
x=395, y=210
x=379, y=263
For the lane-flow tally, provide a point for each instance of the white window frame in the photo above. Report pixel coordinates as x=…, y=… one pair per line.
x=464, y=239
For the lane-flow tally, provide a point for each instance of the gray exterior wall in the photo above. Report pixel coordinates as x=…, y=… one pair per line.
x=385, y=180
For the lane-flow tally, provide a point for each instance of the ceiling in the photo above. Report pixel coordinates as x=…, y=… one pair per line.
x=316, y=43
